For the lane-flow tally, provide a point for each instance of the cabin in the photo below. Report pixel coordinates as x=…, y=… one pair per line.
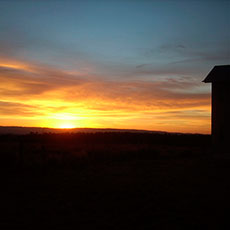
x=219, y=76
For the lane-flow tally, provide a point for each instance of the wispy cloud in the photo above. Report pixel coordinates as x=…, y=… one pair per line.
x=30, y=90
x=35, y=81
x=183, y=59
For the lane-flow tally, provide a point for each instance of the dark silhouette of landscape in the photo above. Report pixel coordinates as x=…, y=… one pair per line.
x=39, y=130
x=112, y=180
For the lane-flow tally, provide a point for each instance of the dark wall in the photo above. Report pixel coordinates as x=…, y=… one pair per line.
x=221, y=114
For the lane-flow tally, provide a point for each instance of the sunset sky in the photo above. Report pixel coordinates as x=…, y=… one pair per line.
x=111, y=64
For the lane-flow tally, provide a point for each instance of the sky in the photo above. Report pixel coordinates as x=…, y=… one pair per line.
x=132, y=64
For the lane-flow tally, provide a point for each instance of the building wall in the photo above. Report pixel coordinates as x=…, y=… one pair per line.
x=221, y=114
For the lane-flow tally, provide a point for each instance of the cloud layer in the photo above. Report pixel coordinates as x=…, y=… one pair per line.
x=43, y=95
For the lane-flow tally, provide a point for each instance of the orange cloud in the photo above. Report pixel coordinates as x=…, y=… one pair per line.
x=40, y=95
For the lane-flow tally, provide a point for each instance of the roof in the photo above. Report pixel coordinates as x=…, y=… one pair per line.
x=220, y=73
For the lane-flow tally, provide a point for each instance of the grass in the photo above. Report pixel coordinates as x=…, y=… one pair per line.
x=87, y=182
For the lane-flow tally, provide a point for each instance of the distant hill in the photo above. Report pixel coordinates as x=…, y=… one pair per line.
x=27, y=130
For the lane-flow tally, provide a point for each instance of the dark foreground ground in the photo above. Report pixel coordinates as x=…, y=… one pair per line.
x=113, y=181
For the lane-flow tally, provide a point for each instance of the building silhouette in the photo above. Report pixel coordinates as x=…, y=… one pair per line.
x=219, y=76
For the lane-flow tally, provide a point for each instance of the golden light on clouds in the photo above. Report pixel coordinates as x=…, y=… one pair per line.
x=17, y=65
x=33, y=95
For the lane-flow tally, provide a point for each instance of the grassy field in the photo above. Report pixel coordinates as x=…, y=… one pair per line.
x=113, y=181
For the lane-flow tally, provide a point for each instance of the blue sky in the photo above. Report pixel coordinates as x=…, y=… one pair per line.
x=118, y=34
x=119, y=40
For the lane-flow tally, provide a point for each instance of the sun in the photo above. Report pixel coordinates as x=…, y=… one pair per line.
x=63, y=121
x=67, y=126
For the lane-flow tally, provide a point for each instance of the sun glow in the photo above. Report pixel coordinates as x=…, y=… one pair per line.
x=64, y=121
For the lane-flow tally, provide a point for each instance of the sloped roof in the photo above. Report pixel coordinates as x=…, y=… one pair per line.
x=220, y=73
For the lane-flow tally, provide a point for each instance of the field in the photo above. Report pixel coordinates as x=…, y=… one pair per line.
x=113, y=181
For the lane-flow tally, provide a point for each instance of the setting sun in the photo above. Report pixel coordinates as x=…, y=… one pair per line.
x=63, y=121
x=67, y=126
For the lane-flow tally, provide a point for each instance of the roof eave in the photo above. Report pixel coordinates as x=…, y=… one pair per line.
x=207, y=81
